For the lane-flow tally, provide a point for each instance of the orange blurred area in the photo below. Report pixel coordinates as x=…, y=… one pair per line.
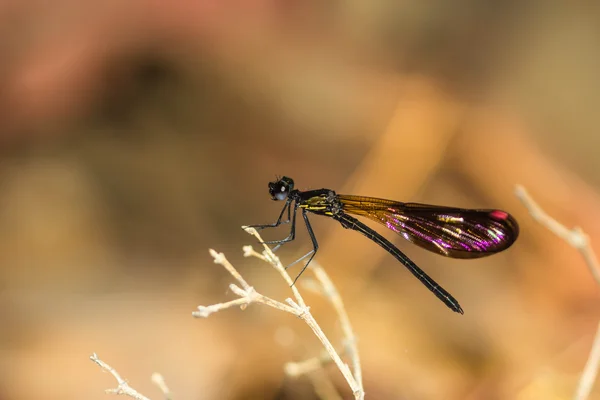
x=134, y=136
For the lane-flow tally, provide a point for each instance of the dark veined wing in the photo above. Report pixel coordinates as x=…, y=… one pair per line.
x=449, y=231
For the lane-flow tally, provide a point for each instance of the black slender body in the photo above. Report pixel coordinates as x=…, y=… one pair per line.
x=449, y=231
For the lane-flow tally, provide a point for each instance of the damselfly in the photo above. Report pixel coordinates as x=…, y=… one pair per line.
x=451, y=232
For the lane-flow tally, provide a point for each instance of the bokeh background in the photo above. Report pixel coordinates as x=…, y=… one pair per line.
x=136, y=135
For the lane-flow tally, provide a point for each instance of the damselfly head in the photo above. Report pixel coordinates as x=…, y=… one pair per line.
x=280, y=189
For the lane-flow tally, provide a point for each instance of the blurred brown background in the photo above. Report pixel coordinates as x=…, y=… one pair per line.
x=136, y=135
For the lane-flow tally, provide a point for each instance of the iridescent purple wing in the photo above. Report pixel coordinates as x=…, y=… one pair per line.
x=452, y=232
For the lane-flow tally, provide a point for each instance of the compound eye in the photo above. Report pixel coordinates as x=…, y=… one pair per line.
x=281, y=193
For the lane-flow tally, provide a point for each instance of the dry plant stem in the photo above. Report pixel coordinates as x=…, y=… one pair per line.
x=270, y=257
x=246, y=297
x=336, y=300
x=249, y=295
x=159, y=381
x=122, y=388
x=354, y=380
x=220, y=259
x=324, y=388
x=305, y=367
x=575, y=237
x=579, y=240
x=343, y=367
x=588, y=377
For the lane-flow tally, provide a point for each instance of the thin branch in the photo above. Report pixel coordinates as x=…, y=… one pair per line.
x=247, y=296
x=580, y=241
x=205, y=311
x=272, y=259
x=298, y=307
x=342, y=366
x=305, y=367
x=331, y=293
x=590, y=372
x=575, y=237
x=123, y=387
x=159, y=381
x=324, y=387
x=220, y=259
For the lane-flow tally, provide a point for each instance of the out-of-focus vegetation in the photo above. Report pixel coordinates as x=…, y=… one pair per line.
x=136, y=135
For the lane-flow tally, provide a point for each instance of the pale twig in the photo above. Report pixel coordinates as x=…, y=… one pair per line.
x=123, y=387
x=334, y=297
x=575, y=237
x=342, y=366
x=247, y=296
x=304, y=367
x=580, y=241
x=159, y=381
x=272, y=259
x=220, y=259
x=298, y=308
x=324, y=387
x=588, y=377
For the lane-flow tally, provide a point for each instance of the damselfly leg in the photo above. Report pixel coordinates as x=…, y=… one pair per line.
x=279, y=221
x=311, y=253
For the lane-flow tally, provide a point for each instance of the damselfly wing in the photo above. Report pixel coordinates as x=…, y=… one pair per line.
x=449, y=231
